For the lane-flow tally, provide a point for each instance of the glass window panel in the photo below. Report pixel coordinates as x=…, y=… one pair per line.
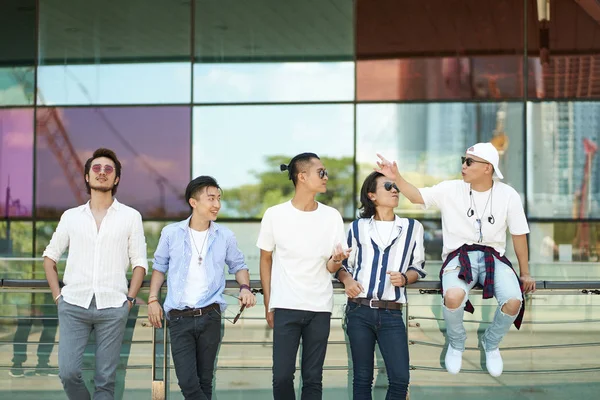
x=114, y=52
x=485, y=77
x=564, y=166
x=152, y=144
x=16, y=86
x=16, y=162
x=269, y=50
x=427, y=140
x=243, y=146
x=17, y=51
x=439, y=49
x=273, y=82
x=114, y=84
x=16, y=240
x=563, y=59
x=565, y=250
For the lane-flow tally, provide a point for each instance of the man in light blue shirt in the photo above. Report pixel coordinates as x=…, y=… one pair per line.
x=194, y=253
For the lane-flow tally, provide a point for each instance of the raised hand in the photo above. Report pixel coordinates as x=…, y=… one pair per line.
x=387, y=168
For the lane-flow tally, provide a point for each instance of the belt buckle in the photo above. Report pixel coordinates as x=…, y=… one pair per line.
x=197, y=313
x=371, y=303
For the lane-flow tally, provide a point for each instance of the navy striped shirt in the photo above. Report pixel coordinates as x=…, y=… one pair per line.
x=370, y=260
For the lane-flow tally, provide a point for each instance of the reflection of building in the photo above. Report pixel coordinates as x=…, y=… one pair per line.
x=556, y=134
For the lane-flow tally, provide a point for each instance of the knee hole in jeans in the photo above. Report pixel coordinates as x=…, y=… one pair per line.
x=453, y=298
x=511, y=307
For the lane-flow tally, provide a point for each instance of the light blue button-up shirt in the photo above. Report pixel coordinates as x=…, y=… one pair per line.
x=173, y=255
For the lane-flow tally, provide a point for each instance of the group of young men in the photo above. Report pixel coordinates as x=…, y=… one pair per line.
x=302, y=243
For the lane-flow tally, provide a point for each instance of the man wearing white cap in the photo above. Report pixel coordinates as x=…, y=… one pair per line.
x=476, y=212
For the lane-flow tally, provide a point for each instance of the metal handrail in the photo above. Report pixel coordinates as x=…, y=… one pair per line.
x=231, y=284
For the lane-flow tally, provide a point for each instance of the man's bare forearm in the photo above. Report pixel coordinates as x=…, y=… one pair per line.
x=156, y=282
x=52, y=276
x=242, y=277
x=137, y=279
x=409, y=191
x=266, y=265
x=522, y=252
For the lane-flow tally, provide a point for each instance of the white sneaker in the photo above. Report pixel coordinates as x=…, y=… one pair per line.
x=493, y=361
x=453, y=360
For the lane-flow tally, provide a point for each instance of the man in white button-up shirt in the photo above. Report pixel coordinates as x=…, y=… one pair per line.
x=104, y=237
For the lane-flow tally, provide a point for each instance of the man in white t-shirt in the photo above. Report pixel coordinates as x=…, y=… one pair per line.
x=300, y=245
x=476, y=212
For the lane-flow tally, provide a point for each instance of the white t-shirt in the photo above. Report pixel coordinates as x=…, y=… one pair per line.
x=196, y=284
x=301, y=242
x=453, y=200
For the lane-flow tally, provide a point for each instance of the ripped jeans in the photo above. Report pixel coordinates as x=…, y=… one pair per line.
x=506, y=287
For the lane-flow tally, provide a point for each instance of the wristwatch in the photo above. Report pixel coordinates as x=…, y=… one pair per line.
x=132, y=300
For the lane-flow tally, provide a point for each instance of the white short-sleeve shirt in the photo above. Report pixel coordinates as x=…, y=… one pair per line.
x=302, y=242
x=458, y=228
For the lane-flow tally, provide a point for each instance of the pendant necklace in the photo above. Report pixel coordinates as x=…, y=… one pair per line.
x=203, y=243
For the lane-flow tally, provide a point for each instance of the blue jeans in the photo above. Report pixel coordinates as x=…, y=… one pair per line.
x=506, y=287
x=75, y=324
x=365, y=326
x=290, y=326
x=194, y=345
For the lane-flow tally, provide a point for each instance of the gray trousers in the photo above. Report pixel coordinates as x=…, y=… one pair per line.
x=75, y=324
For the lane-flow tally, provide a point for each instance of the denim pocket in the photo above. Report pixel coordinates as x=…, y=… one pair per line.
x=395, y=313
x=214, y=315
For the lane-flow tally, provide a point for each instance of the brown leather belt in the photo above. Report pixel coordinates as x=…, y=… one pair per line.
x=194, y=312
x=382, y=304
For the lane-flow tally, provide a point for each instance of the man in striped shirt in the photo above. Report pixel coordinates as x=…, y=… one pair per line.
x=387, y=254
x=104, y=237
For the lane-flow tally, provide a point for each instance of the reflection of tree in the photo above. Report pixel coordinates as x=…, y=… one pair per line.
x=273, y=187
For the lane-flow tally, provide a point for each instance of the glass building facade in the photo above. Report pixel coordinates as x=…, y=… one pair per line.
x=233, y=88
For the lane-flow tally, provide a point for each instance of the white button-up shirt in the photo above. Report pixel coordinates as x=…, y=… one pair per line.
x=98, y=259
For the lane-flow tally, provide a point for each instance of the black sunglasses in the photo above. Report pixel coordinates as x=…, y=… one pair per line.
x=470, y=161
x=389, y=185
x=323, y=173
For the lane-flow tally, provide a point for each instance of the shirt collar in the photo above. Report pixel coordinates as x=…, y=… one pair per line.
x=86, y=207
x=184, y=225
x=397, y=221
x=398, y=226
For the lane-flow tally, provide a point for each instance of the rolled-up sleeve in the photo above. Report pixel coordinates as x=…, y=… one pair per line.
x=161, y=255
x=234, y=258
x=137, y=244
x=60, y=240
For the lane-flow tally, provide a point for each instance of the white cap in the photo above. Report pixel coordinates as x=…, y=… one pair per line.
x=487, y=152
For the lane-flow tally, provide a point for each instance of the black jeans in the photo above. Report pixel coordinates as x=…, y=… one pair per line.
x=194, y=346
x=290, y=326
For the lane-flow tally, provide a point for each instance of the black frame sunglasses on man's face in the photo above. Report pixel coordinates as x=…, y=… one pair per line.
x=470, y=161
x=389, y=185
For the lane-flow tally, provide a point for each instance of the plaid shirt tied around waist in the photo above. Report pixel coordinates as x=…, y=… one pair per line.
x=466, y=274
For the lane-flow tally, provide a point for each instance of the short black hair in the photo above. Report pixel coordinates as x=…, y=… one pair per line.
x=367, y=206
x=196, y=185
x=297, y=163
x=102, y=152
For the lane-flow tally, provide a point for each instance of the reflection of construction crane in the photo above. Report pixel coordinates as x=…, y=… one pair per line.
x=50, y=126
x=583, y=200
